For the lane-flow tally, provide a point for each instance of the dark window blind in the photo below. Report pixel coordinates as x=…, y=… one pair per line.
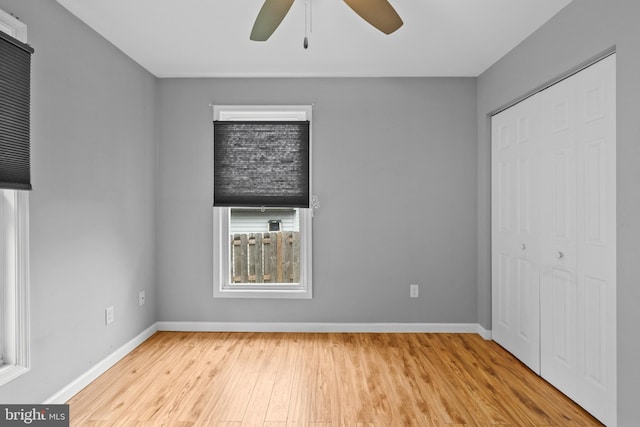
x=263, y=163
x=15, y=93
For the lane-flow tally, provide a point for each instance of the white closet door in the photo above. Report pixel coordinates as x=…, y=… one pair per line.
x=554, y=235
x=515, y=245
x=596, y=240
x=578, y=273
x=558, y=287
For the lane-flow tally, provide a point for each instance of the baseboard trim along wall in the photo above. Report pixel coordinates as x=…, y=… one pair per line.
x=484, y=333
x=101, y=367
x=456, y=328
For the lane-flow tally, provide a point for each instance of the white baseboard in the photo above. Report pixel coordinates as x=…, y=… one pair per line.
x=484, y=333
x=460, y=328
x=99, y=368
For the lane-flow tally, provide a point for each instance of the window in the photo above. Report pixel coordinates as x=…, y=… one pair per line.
x=262, y=242
x=265, y=246
x=14, y=201
x=14, y=284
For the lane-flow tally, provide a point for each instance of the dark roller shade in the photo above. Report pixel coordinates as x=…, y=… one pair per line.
x=15, y=89
x=263, y=163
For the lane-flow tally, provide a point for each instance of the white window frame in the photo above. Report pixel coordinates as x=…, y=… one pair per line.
x=14, y=284
x=13, y=27
x=15, y=356
x=222, y=286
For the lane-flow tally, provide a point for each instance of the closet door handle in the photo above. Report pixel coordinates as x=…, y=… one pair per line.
x=560, y=255
x=523, y=247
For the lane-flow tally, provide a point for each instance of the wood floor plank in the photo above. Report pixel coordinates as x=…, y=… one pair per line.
x=485, y=407
x=301, y=397
x=500, y=411
x=428, y=387
x=355, y=390
x=221, y=353
x=280, y=398
x=173, y=380
x=115, y=390
x=230, y=398
x=383, y=395
x=321, y=380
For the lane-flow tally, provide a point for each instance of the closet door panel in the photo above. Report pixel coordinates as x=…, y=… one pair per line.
x=515, y=202
x=578, y=256
x=596, y=238
x=559, y=287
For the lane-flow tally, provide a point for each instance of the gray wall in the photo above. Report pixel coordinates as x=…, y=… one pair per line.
x=583, y=30
x=394, y=167
x=93, y=199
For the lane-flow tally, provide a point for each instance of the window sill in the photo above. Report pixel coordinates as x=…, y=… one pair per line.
x=263, y=293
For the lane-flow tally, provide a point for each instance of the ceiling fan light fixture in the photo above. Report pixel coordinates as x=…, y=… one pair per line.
x=378, y=13
x=269, y=18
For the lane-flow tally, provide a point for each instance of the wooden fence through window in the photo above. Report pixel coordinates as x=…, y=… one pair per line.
x=265, y=257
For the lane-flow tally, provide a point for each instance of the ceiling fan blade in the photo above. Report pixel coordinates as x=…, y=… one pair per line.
x=378, y=13
x=269, y=18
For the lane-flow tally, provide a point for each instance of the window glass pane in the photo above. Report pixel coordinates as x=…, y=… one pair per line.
x=265, y=246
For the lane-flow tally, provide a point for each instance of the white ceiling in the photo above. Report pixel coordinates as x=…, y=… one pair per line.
x=210, y=38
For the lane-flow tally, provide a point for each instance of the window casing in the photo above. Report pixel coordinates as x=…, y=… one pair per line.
x=224, y=286
x=14, y=261
x=14, y=284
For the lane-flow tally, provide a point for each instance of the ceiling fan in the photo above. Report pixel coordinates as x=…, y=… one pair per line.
x=378, y=13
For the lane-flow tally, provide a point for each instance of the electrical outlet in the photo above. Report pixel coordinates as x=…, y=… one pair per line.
x=141, y=298
x=413, y=291
x=108, y=315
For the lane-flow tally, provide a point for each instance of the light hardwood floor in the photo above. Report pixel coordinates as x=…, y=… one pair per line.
x=272, y=379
